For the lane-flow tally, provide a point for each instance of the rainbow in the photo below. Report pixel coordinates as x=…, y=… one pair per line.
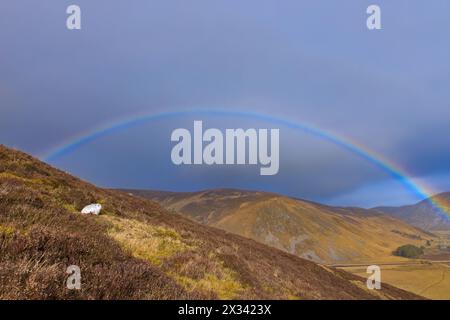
x=352, y=146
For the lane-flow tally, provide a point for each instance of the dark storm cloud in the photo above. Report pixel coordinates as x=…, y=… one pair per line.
x=312, y=61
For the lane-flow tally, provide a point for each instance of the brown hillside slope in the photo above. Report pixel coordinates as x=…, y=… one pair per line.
x=135, y=249
x=316, y=232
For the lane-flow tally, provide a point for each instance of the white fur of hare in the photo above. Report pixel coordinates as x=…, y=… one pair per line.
x=94, y=208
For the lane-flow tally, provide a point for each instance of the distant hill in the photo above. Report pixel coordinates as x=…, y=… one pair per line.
x=309, y=230
x=423, y=214
x=137, y=250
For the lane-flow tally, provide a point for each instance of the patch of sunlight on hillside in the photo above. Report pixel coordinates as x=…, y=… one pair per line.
x=226, y=287
x=151, y=243
x=6, y=230
x=155, y=243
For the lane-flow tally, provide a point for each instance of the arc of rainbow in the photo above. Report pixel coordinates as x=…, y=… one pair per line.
x=354, y=147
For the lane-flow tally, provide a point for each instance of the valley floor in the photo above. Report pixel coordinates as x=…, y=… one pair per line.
x=430, y=280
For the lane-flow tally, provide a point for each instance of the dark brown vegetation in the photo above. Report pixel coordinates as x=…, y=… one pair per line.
x=136, y=250
x=409, y=251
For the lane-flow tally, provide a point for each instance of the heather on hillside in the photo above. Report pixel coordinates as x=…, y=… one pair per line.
x=138, y=250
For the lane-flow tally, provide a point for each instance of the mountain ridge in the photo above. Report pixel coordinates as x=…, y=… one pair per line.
x=424, y=214
x=310, y=230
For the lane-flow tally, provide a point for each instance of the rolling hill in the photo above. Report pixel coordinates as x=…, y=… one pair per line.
x=137, y=250
x=423, y=214
x=309, y=230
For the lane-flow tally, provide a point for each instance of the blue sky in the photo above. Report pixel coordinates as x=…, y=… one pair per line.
x=308, y=61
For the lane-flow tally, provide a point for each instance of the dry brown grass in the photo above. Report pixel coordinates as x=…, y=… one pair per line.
x=145, y=241
x=429, y=280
